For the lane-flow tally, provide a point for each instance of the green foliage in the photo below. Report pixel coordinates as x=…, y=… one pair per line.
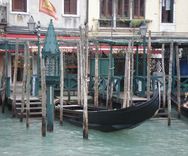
x=136, y=23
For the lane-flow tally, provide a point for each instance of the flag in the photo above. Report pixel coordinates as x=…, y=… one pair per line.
x=47, y=7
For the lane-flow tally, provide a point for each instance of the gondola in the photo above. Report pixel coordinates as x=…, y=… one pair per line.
x=183, y=105
x=115, y=119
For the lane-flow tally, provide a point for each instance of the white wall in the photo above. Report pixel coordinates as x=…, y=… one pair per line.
x=181, y=15
x=94, y=15
x=153, y=13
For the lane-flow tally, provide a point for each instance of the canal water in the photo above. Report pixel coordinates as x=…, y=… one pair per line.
x=152, y=138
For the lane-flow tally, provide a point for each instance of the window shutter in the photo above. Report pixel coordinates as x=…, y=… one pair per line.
x=19, y=5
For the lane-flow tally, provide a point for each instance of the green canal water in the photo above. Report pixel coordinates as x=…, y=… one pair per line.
x=152, y=138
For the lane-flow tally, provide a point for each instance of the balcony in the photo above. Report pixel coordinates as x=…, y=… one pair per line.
x=120, y=23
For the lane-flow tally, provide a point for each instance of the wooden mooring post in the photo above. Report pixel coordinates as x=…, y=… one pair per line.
x=178, y=79
x=4, y=78
x=170, y=82
x=148, y=66
x=83, y=76
x=109, y=90
x=43, y=92
x=24, y=83
x=85, y=82
x=164, y=76
x=15, y=79
x=28, y=85
x=61, y=87
x=3, y=87
x=79, y=74
x=126, y=99
x=96, y=83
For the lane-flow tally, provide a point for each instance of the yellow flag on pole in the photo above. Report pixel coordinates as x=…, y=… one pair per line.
x=47, y=7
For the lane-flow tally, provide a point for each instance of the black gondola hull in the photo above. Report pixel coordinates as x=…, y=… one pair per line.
x=116, y=119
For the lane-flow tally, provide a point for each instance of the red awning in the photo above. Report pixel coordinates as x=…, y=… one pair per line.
x=34, y=37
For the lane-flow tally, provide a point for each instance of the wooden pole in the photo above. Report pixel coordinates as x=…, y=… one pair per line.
x=109, y=91
x=132, y=72
x=78, y=74
x=28, y=85
x=7, y=76
x=81, y=65
x=85, y=88
x=62, y=87
x=128, y=74
x=96, y=84
x=125, y=80
x=148, y=66
x=24, y=83
x=178, y=80
x=14, y=80
x=164, y=77
x=3, y=82
x=170, y=82
x=43, y=92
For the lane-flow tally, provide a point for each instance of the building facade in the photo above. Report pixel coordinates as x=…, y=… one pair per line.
x=67, y=16
x=106, y=18
x=122, y=15
x=16, y=13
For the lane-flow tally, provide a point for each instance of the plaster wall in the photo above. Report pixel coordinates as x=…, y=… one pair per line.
x=152, y=14
x=181, y=15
